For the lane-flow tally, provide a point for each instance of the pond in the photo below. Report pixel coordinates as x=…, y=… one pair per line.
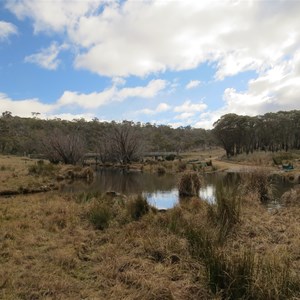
x=161, y=190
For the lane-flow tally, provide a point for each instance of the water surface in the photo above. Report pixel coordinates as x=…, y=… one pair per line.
x=161, y=190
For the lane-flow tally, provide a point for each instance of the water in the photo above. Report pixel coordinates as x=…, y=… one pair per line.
x=160, y=190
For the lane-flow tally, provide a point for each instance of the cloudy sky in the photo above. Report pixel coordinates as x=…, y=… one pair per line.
x=175, y=62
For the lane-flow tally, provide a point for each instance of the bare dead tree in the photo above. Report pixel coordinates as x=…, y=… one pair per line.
x=66, y=148
x=120, y=143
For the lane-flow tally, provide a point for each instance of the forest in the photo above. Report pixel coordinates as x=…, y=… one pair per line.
x=269, y=132
x=124, y=142
x=35, y=136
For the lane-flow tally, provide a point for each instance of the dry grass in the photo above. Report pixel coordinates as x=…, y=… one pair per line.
x=189, y=184
x=50, y=248
x=15, y=174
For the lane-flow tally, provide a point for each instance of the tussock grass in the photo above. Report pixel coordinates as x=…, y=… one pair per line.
x=42, y=169
x=291, y=197
x=137, y=207
x=258, y=182
x=161, y=170
x=189, y=184
x=225, y=213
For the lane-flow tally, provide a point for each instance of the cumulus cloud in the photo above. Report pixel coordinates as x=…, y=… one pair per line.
x=119, y=39
x=275, y=89
x=193, y=84
x=69, y=116
x=189, y=107
x=24, y=107
x=27, y=107
x=48, y=57
x=52, y=16
x=7, y=29
x=97, y=99
x=161, y=107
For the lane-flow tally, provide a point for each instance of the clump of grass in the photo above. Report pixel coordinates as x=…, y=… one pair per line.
x=77, y=172
x=161, y=170
x=175, y=221
x=85, y=197
x=189, y=184
x=181, y=166
x=137, y=207
x=258, y=182
x=291, y=197
x=41, y=169
x=225, y=213
x=100, y=214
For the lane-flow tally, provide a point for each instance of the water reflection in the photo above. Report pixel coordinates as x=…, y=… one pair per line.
x=161, y=191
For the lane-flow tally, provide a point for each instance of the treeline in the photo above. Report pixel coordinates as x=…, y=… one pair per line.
x=269, y=132
x=37, y=136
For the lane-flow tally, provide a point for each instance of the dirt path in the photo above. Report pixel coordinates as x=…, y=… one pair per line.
x=238, y=167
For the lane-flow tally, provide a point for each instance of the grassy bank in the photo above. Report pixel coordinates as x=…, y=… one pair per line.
x=56, y=246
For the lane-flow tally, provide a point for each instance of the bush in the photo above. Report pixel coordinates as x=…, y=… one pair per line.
x=170, y=157
x=189, y=184
x=137, y=207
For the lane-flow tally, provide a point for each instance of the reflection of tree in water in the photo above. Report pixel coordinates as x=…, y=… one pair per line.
x=131, y=182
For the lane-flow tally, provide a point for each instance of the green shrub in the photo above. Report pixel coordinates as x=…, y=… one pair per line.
x=137, y=207
x=189, y=184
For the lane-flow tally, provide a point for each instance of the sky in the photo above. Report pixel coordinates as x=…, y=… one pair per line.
x=171, y=62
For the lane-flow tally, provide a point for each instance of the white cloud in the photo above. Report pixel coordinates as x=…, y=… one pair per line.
x=190, y=107
x=120, y=38
x=97, y=99
x=275, y=89
x=161, y=107
x=185, y=115
x=69, y=116
x=149, y=91
x=7, y=29
x=193, y=84
x=24, y=107
x=226, y=32
x=53, y=15
x=48, y=57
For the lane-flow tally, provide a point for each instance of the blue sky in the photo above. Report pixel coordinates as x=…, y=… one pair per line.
x=178, y=63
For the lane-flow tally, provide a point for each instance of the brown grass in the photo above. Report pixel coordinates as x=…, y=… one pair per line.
x=50, y=249
x=189, y=184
